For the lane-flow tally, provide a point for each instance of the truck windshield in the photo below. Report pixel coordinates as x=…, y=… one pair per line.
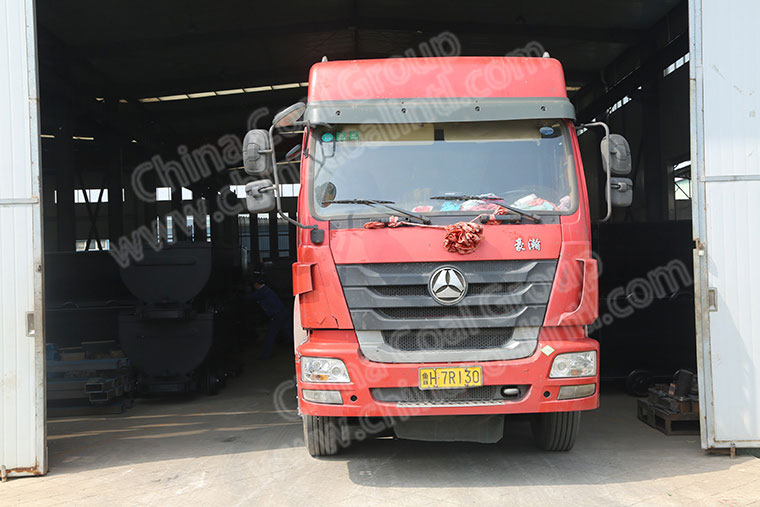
x=526, y=164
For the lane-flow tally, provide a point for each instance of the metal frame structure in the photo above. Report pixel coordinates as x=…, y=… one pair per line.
x=725, y=242
x=23, y=448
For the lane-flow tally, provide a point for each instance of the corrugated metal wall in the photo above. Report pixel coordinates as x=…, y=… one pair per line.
x=726, y=156
x=22, y=389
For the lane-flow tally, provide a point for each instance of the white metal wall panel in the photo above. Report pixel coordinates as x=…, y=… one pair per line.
x=726, y=163
x=733, y=243
x=730, y=42
x=22, y=389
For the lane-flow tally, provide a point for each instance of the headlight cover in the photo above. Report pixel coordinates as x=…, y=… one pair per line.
x=573, y=392
x=320, y=396
x=574, y=364
x=323, y=369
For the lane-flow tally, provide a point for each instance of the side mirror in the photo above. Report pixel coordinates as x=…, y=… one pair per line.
x=621, y=192
x=620, y=154
x=259, y=196
x=257, y=153
x=621, y=189
x=616, y=160
x=289, y=115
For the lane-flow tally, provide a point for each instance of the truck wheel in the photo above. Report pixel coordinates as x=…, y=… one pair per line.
x=555, y=431
x=323, y=435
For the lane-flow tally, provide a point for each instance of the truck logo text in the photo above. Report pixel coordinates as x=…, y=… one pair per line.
x=533, y=244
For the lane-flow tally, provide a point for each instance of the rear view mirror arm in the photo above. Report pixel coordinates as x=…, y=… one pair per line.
x=276, y=189
x=606, y=155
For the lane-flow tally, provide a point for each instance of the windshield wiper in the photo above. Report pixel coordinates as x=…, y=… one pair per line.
x=384, y=204
x=530, y=216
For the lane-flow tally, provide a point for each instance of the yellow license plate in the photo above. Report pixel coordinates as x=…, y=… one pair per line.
x=451, y=378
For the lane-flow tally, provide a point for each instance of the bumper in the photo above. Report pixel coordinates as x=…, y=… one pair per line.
x=533, y=371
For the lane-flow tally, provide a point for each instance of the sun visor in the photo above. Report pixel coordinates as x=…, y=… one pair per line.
x=438, y=110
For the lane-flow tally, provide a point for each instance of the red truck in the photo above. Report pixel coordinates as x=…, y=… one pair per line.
x=444, y=275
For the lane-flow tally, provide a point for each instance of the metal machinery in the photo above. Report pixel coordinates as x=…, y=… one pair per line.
x=170, y=332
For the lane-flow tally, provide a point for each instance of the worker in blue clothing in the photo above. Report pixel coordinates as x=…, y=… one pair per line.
x=279, y=317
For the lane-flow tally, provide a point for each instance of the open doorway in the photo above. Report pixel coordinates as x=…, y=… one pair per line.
x=141, y=130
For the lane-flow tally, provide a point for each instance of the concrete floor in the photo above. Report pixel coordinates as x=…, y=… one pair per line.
x=238, y=449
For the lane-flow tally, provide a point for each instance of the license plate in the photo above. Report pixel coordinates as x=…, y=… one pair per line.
x=451, y=378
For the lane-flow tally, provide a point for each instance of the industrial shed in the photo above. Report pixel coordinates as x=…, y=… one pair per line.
x=104, y=104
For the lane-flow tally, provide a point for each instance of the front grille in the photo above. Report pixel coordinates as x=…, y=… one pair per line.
x=427, y=312
x=470, y=396
x=448, y=339
x=450, y=404
x=394, y=394
x=422, y=290
x=426, y=268
x=398, y=320
x=402, y=290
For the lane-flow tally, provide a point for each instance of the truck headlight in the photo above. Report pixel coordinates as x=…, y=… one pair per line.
x=574, y=364
x=322, y=369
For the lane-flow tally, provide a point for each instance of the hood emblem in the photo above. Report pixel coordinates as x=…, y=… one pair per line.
x=447, y=285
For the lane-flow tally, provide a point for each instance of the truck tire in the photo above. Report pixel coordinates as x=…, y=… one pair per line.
x=555, y=431
x=322, y=435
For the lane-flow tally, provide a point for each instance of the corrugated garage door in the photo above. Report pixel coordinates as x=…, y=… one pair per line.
x=22, y=388
x=726, y=155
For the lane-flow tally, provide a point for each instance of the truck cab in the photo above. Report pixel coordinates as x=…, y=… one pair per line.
x=444, y=276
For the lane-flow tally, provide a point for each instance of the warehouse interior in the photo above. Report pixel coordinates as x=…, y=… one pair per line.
x=129, y=94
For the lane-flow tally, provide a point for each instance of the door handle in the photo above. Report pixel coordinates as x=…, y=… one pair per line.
x=31, y=324
x=712, y=299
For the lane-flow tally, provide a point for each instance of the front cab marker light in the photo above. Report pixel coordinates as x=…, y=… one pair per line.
x=319, y=396
x=573, y=392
